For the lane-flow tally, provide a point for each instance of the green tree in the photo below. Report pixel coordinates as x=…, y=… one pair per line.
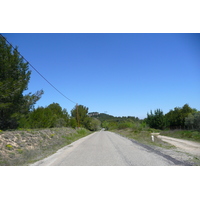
x=173, y=118
x=197, y=120
x=156, y=119
x=61, y=115
x=189, y=121
x=48, y=117
x=192, y=121
x=80, y=114
x=95, y=124
x=14, y=78
x=185, y=111
x=176, y=118
x=73, y=122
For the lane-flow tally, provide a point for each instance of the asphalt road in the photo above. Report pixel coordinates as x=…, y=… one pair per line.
x=105, y=148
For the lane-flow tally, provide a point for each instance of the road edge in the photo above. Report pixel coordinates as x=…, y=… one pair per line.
x=158, y=152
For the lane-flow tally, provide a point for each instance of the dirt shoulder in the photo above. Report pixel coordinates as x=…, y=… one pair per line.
x=186, y=146
x=180, y=149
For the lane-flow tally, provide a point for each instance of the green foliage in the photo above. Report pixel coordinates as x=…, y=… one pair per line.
x=105, y=117
x=80, y=114
x=186, y=134
x=48, y=117
x=179, y=118
x=110, y=122
x=192, y=121
x=20, y=151
x=82, y=131
x=14, y=78
x=22, y=133
x=73, y=122
x=105, y=125
x=125, y=125
x=197, y=120
x=176, y=118
x=30, y=100
x=155, y=120
x=95, y=124
x=9, y=146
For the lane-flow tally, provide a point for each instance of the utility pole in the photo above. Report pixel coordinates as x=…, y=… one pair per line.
x=77, y=115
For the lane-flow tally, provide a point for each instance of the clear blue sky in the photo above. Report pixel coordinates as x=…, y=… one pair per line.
x=121, y=74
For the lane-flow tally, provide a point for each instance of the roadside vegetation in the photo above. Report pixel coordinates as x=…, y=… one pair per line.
x=134, y=128
x=28, y=133
x=192, y=135
x=17, y=109
x=23, y=147
x=181, y=122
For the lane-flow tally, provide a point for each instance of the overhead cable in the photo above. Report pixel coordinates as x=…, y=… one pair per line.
x=38, y=71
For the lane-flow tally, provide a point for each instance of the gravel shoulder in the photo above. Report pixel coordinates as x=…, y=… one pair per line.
x=187, y=149
x=184, y=145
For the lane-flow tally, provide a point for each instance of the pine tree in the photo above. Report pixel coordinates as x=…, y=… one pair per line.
x=14, y=78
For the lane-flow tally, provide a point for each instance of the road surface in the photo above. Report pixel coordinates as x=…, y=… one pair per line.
x=104, y=148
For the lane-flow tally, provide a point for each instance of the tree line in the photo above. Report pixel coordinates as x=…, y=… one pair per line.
x=17, y=110
x=179, y=118
x=110, y=122
x=54, y=116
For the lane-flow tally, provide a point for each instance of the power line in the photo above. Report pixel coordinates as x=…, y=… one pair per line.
x=38, y=72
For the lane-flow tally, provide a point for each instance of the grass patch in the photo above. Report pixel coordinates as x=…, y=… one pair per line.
x=22, y=133
x=20, y=151
x=80, y=132
x=9, y=146
x=144, y=137
x=83, y=131
x=183, y=134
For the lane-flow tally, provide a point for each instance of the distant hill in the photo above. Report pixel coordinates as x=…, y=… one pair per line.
x=105, y=117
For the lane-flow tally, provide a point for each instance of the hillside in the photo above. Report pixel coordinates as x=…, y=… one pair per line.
x=105, y=117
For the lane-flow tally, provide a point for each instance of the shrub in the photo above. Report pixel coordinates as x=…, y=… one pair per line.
x=125, y=125
x=22, y=133
x=9, y=146
x=20, y=151
x=82, y=131
x=196, y=135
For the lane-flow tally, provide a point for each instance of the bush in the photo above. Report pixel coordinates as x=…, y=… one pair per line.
x=82, y=131
x=196, y=135
x=9, y=146
x=20, y=151
x=125, y=125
